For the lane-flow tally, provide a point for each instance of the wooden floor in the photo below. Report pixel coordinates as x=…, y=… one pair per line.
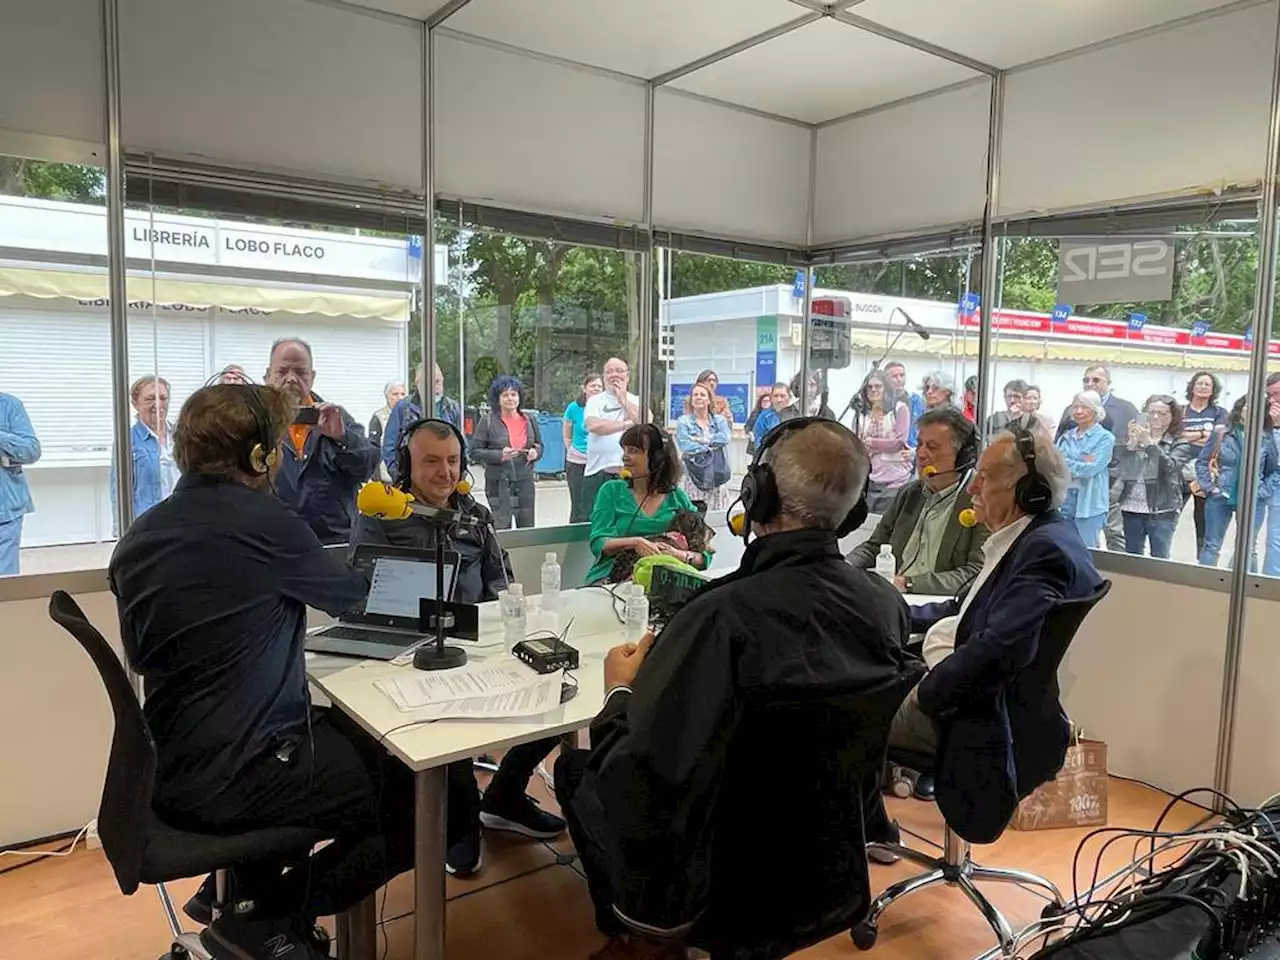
x=527, y=903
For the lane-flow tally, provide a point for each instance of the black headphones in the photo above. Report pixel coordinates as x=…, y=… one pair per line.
x=655, y=450
x=261, y=457
x=1032, y=493
x=404, y=478
x=759, y=495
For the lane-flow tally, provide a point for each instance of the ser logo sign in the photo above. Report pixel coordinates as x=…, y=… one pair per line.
x=1115, y=271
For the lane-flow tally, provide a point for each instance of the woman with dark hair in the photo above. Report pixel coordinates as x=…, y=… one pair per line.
x=763, y=402
x=719, y=405
x=630, y=512
x=1151, y=496
x=574, y=426
x=1218, y=473
x=507, y=441
x=883, y=425
x=1200, y=419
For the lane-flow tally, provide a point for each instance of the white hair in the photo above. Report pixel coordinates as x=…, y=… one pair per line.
x=820, y=471
x=1049, y=462
x=939, y=379
x=1090, y=399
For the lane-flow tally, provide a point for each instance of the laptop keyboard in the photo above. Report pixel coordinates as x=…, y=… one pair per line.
x=342, y=632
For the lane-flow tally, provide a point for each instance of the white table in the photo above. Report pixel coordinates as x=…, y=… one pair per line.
x=427, y=749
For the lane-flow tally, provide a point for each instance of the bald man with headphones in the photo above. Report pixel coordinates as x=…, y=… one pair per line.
x=431, y=464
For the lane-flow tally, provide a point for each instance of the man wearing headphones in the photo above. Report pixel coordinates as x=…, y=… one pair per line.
x=975, y=647
x=935, y=551
x=794, y=622
x=213, y=585
x=431, y=463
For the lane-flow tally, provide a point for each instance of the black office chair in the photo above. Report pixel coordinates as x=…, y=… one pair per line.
x=788, y=862
x=956, y=867
x=140, y=846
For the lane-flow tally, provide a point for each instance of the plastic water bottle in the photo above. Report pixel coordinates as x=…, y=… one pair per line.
x=550, y=584
x=637, y=614
x=515, y=616
x=886, y=565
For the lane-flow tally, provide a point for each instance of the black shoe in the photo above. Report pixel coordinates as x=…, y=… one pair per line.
x=200, y=907
x=887, y=833
x=463, y=857
x=924, y=787
x=244, y=939
x=520, y=815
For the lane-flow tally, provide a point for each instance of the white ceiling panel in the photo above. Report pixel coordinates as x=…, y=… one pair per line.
x=417, y=9
x=643, y=38
x=1006, y=33
x=822, y=71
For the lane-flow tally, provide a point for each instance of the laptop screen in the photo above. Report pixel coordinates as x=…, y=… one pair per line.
x=397, y=585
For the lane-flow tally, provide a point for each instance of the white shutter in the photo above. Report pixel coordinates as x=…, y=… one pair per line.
x=354, y=359
x=173, y=348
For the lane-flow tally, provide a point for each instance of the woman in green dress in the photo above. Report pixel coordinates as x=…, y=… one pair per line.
x=629, y=511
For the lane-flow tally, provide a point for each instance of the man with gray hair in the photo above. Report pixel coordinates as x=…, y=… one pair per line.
x=794, y=623
x=977, y=646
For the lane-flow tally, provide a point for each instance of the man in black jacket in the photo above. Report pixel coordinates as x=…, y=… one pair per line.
x=793, y=623
x=431, y=462
x=213, y=586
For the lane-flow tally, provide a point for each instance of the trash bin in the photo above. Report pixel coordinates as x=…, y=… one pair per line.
x=551, y=463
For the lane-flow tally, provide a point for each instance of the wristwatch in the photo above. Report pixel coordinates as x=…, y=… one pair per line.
x=907, y=585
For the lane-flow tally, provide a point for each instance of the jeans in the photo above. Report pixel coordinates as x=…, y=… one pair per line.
x=1156, y=527
x=1271, y=560
x=10, y=542
x=579, y=510
x=1090, y=529
x=1217, y=517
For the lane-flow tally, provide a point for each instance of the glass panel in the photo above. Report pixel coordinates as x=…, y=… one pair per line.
x=1154, y=331
x=539, y=323
x=55, y=368
x=323, y=312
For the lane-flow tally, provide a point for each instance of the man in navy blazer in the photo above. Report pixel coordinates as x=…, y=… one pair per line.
x=996, y=727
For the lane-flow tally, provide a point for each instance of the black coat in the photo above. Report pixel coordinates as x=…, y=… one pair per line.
x=663, y=795
x=489, y=439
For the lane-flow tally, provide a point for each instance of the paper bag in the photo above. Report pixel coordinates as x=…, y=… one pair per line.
x=1076, y=797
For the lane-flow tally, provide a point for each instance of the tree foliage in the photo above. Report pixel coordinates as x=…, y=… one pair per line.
x=20, y=177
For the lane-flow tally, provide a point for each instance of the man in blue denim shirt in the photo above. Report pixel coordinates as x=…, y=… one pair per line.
x=411, y=408
x=18, y=446
x=150, y=446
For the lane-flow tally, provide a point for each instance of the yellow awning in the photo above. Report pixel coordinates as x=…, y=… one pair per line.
x=48, y=284
x=966, y=345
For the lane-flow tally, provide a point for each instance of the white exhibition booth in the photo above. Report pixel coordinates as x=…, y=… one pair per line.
x=782, y=129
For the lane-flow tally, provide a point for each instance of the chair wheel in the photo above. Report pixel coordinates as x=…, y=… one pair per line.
x=864, y=936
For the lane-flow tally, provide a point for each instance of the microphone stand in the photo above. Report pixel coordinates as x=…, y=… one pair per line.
x=875, y=365
x=436, y=656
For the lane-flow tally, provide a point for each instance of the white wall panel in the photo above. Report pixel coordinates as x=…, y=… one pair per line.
x=534, y=134
x=51, y=68
x=724, y=172
x=1145, y=674
x=1255, y=757
x=919, y=165
x=1179, y=109
x=290, y=85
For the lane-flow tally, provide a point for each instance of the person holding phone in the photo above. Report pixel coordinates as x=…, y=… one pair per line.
x=1152, y=496
x=325, y=456
x=508, y=442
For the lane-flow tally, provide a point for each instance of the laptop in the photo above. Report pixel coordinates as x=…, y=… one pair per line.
x=387, y=621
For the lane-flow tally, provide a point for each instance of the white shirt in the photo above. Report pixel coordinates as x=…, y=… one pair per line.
x=940, y=639
x=604, y=450
x=169, y=472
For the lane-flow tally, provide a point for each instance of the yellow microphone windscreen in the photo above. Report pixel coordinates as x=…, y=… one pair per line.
x=929, y=471
x=624, y=473
x=383, y=501
x=463, y=486
x=967, y=518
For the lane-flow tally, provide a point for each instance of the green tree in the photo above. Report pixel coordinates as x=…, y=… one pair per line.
x=20, y=177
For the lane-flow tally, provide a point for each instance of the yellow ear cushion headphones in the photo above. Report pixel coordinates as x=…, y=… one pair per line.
x=262, y=456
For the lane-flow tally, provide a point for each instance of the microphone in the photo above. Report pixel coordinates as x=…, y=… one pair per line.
x=967, y=518
x=919, y=331
x=385, y=502
x=932, y=471
x=625, y=473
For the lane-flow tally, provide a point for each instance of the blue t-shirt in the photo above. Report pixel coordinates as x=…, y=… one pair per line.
x=1206, y=419
x=576, y=415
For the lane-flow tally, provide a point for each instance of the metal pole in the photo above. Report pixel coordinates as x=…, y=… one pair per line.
x=428, y=330
x=1263, y=304
x=987, y=283
x=807, y=302
x=116, y=287
x=644, y=350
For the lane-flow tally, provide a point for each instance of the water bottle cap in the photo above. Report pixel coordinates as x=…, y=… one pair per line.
x=886, y=548
x=517, y=590
x=551, y=556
